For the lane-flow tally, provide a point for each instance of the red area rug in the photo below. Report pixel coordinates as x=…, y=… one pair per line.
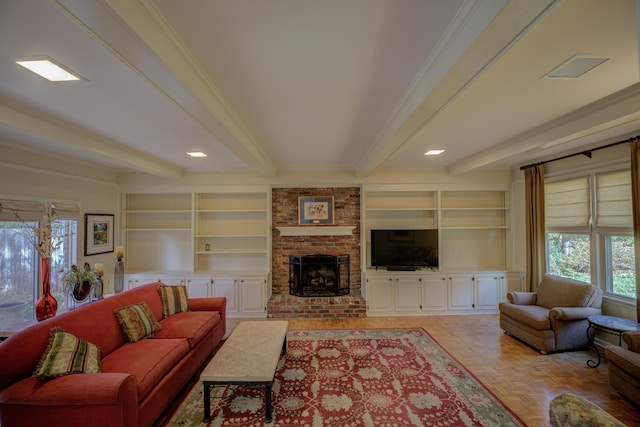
x=368, y=377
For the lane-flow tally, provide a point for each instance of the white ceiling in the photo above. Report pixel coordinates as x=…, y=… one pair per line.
x=355, y=85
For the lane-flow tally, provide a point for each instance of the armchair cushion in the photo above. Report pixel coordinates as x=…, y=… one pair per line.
x=555, y=291
x=532, y=315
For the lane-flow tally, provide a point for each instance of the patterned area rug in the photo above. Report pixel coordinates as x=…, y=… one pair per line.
x=367, y=377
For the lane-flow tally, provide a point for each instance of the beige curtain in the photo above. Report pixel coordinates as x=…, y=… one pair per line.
x=536, y=239
x=635, y=198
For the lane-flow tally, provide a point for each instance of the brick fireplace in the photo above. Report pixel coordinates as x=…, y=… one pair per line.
x=346, y=203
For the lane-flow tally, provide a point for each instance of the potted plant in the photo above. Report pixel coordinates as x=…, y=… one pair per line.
x=79, y=282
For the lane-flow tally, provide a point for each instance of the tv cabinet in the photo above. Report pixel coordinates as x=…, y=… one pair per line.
x=426, y=292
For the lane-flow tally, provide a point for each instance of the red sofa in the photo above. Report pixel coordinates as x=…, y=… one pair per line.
x=138, y=380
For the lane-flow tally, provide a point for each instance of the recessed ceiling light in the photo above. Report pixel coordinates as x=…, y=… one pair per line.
x=48, y=69
x=196, y=154
x=433, y=152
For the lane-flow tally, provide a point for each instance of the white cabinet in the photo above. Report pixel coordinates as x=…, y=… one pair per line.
x=486, y=292
x=252, y=296
x=473, y=292
x=246, y=295
x=407, y=293
x=460, y=289
x=200, y=286
x=420, y=293
x=434, y=293
x=380, y=290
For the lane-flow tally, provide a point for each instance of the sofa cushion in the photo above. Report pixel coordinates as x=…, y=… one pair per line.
x=137, y=322
x=67, y=354
x=148, y=360
x=193, y=326
x=174, y=300
x=532, y=315
x=555, y=291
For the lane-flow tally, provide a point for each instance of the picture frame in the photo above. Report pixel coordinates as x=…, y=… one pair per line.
x=98, y=234
x=315, y=210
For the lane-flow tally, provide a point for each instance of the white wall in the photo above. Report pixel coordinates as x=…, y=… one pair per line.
x=29, y=175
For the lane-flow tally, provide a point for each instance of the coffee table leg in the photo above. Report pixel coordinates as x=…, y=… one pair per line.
x=207, y=402
x=268, y=415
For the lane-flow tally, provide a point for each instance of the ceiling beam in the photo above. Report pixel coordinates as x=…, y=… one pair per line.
x=144, y=18
x=20, y=120
x=603, y=115
x=511, y=23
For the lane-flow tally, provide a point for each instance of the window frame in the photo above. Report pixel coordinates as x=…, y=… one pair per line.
x=600, y=259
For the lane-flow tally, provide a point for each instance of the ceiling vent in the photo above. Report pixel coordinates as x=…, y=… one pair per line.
x=575, y=67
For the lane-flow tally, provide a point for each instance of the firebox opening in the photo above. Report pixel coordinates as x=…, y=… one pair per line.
x=319, y=275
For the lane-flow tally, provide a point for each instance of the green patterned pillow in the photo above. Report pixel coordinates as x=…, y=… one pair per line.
x=67, y=354
x=137, y=321
x=174, y=300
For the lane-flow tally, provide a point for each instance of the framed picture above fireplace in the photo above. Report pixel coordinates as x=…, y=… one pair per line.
x=315, y=210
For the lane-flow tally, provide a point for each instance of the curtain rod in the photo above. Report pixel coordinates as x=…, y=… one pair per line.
x=583, y=153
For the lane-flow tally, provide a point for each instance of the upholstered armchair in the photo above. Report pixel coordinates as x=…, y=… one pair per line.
x=624, y=366
x=554, y=317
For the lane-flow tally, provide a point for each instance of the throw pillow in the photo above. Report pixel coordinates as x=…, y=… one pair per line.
x=67, y=354
x=137, y=321
x=174, y=300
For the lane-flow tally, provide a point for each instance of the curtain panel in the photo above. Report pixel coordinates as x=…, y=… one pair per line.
x=635, y=197
x=536, y=237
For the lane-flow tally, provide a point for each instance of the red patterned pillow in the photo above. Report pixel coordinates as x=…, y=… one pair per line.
x=137, y=322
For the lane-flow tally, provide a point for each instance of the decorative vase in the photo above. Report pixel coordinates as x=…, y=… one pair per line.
x=118, y=276
x=47, y=306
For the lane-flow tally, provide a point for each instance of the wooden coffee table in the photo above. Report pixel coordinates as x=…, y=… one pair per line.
x=249, y=357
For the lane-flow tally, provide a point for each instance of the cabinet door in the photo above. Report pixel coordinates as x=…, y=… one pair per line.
x=252, y=290
x=380, y=292
x=486, y=291
x=225, y=286
x=460, y=292
x=407, y=292
x=200, y=287
x=434, y=293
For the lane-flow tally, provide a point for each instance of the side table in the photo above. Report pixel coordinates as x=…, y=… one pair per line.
x=610, y=325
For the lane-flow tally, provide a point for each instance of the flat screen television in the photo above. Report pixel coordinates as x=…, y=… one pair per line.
x=404, y=249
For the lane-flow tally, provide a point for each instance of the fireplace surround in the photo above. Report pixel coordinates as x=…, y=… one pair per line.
x=319, y=275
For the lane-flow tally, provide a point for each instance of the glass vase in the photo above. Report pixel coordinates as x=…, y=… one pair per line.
x=47, y=306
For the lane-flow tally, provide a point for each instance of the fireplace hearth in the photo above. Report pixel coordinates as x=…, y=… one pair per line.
x=319, y=275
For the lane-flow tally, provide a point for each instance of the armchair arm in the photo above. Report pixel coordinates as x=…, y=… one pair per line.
x=633, y=341
x=572, y=313
x=522, y=298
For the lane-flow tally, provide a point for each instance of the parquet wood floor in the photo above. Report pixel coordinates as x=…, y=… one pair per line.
x=517, y=374
x=525, y=380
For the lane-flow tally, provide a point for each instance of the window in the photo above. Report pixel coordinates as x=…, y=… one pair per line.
x=19, y=261
x=589, y=231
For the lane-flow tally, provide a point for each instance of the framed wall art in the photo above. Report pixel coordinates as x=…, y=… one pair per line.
x=98, y=234
x=315, y=210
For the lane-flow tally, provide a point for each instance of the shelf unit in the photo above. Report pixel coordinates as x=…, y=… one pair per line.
x=473, y=225
x=232, y=231
x=157, y=227
x=474, y=229
x=220, y=232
